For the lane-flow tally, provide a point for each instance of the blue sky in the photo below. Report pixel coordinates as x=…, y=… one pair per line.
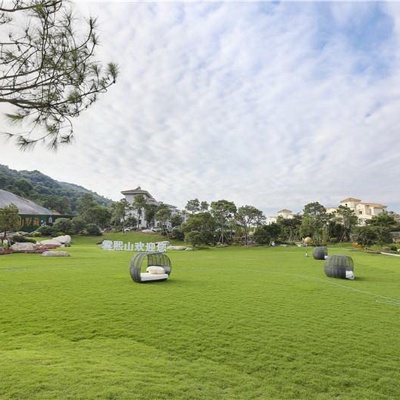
x=273, y=105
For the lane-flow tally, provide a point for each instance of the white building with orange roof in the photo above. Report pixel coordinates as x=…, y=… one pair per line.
x=284, y=213
x=363, y=210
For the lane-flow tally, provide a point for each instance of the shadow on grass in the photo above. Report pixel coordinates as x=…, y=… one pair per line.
x=361, y=278
x=170, y=281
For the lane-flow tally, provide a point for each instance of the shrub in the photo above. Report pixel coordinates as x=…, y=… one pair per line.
x=177, y=234
x=78, y=224
x=196, y=238
x=46, y=230
x=266, y=233
x=63, y=225
x=92, y=230
x=35, y=234
x=22, y=239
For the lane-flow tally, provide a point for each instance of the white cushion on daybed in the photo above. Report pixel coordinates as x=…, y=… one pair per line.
x=147, y=276
x=350, y=275
x=155, y=269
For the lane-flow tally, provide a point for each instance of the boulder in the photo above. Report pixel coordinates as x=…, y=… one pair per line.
x=58, y=241
x=180, y=248
x=65, y=240
x=55, y=254
x=24, y=246
x=51, y=242
x=307, y=241
x=164, y=243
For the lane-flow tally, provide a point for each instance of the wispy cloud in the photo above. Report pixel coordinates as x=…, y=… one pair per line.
x=269, y=104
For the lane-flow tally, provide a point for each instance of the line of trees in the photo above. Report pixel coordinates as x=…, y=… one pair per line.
x=221, y=222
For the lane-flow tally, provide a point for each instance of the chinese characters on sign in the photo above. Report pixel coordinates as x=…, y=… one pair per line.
x=121, y=246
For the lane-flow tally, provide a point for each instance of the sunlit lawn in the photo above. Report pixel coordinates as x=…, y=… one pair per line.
x=230, y=323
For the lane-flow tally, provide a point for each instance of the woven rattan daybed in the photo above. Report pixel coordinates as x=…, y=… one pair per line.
x=339, y=266
x=155, y=267
x=320, y=253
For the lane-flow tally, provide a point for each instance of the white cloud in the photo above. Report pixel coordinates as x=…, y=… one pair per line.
x=250, y=102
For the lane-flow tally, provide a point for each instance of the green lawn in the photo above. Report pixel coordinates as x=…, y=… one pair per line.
x=230, y=323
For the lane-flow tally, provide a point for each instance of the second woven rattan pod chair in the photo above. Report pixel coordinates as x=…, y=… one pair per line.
x=320, y=253
x=339, y=266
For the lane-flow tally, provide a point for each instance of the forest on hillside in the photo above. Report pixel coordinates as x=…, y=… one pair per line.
x=57, y=196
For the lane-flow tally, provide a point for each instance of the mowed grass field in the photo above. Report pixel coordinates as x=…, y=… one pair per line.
x=230, y=323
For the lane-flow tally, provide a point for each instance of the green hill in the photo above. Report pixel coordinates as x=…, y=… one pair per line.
x=45, y=191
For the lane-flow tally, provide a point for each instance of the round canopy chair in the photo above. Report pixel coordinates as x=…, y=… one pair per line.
x=339, y=266
x=320, y=253
x=156, y=267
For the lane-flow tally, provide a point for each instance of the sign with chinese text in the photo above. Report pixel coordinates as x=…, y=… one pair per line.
x=119, y=245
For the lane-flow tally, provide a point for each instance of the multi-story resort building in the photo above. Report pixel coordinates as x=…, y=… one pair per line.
x=131, y=195
x=363, y=210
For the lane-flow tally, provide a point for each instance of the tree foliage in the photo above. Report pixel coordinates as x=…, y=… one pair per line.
x=266, y=234
x=195, y=206
x=290, y=228
x=139, y=205
x=163, y=214
x=93, y=213
x=384, y=220
x=120, y=215
x=247, y=217
x=314, y=222
x=377, y=230
x=372, y=234
x=85, y=203
x=64, y=225
x=150, y=214
x=365, y=235
x=78, y=225
x=60, y=204
x=92, y=230
x=223, y=212
x=49, y=74
x=9, y=219
x=98, y=215
x=199, y=229
x=348, y=220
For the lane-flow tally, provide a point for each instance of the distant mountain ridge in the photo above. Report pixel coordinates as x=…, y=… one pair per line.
x=45, y=191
